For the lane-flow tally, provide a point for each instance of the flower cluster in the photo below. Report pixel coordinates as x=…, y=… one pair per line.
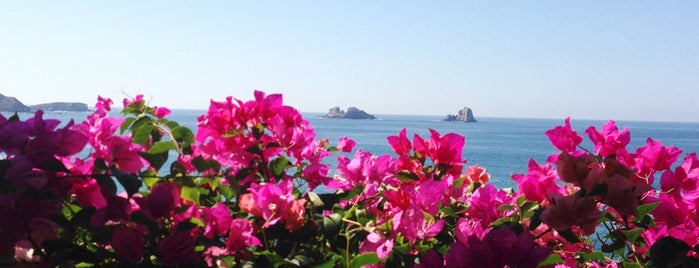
x=244, y=189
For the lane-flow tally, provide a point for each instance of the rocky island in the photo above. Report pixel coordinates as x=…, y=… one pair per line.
x=12, y=104
x=61, y=106
x=464, y=115
x=352, y=113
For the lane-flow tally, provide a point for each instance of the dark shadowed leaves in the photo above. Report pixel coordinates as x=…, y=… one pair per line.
x=129, y=181
x=668, y=252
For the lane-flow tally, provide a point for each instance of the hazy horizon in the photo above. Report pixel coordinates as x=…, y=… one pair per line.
x=622, y=60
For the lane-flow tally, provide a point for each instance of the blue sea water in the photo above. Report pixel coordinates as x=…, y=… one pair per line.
x=502, y=145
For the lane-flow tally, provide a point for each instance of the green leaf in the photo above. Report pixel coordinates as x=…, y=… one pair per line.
x=551, y=260
x=527, y=206
x=82, y=218
x=364, y=259
x=150, y=181
x=190, y=193
x=332, y=262
x=186, y=226
x=226, y=191
x=631, y=265
x=162, y=147
x=127, y=123
x=140, y=218
x=155, y=160
x=586, y=257
x=301, y=261
x=201, y=164
x=506, y=207
x=171, y=124
x=141, y=129
x=53, y=165
x=106, y=183
x=258, y=130
x=644, y=209
x=520, y=200
x=332, y=224
x=278, y=165
x=183, y=134
x=13, y=118
x=406, y=176
x=315, y=199
x=129, y=181
x=569, y=235
x=536, y=218
x=632, y=235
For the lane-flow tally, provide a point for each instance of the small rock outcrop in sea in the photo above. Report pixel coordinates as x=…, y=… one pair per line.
x=11, y=104
x=352, y=113
x=61, y=106
x=464, y=115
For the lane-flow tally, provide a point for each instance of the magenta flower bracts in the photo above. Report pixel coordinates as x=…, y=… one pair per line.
x=252, y=186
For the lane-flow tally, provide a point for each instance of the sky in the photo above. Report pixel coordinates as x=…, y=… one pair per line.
x=622, y=60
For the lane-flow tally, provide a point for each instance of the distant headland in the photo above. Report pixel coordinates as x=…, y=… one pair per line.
x=12, y=104
x=464, y=115
x=352, y=113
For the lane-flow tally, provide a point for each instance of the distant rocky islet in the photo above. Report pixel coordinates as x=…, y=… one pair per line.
x=12, y=104
x=351, y=113
x=464, y=115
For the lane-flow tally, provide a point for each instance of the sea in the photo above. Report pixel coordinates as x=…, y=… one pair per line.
x=502, y=145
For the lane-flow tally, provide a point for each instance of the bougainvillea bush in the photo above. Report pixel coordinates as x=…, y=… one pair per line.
x=242, y=190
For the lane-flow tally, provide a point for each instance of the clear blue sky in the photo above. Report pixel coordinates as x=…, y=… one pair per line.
x=626, y=60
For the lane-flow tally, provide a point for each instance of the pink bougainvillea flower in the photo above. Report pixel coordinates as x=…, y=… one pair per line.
x=39, y=230
x=241, y=235
x=275, y=203
x=564, y=138
x=467, y=228
x=443, y=150
x=295, y=215
x=128, y=243
x=178, y=249
x=13, y=136
x=137, y=100
x=161, y=202
x=400, y=144
x=218, y=220
x=654, y=157
x=477, y=174
x=104, y=104
x=161, y=112
x=431, y=259
x=247, y=204
x=363, y=170
x=540, y=181
x=377, y=243
x=571, y=210
x=88, y=193
x=484, y=204
x=429, y=195
x=346, y=144
x=413, y=224
x=575, y=169
x=499, y=248
x=684, y=182
x=125, y=155
x=624, y=195
x=610, y=141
